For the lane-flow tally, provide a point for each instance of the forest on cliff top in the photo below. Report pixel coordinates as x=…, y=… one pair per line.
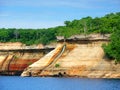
x=106, y=24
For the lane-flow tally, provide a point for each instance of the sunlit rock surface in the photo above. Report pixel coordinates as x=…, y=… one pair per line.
x=15, y=57
x=81, y=57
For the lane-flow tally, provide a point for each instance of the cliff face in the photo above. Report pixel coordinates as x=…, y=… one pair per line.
x=43, y=63
x=13, y=63
x=88, y=61
x=18, y=46
x=15, y=57
x=79, y=56
x=82, y=59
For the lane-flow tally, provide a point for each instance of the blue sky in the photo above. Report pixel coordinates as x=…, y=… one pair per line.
x=51, y=13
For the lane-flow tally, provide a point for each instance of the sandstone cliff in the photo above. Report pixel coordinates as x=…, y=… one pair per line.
x=15, y=57
x=82, y=58
x=18, y=46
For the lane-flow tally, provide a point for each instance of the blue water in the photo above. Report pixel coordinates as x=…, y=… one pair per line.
x=37, y=83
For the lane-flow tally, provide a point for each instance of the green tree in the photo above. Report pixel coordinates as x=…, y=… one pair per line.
x=67, y=23
x=113, y=48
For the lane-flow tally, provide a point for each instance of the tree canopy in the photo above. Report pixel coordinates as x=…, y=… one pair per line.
x=106, y=24
x=112, y=50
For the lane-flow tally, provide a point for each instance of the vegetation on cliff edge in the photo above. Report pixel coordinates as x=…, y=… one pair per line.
x=106, y=24
x=112, y=50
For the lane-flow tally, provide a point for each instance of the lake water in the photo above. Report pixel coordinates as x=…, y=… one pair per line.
x=49, y=83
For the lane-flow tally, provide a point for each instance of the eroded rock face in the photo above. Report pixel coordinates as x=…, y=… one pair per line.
x=12, y=63
x=10, y=45
x=81, y=60
x=42, y=63
x=15, y=57
x=18, y=45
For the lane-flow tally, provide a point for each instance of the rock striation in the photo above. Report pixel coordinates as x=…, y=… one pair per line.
x=80, y=57
x=15, y=57
x=77, y=56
